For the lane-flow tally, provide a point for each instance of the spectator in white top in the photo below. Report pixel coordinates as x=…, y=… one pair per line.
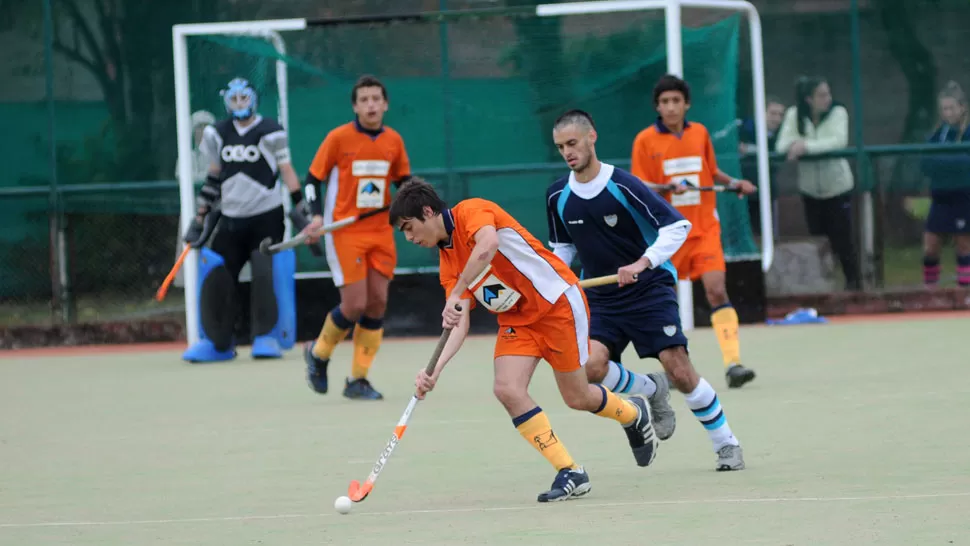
x=814, y=125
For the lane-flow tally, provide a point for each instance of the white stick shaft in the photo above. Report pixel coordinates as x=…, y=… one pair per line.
x=392, y=443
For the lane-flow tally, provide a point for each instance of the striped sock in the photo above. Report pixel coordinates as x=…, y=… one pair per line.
x=931, y=270
x=622, y=381
x=963, y=270
x=707, y=408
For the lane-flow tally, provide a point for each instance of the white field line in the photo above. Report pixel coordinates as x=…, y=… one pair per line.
x=771, y=500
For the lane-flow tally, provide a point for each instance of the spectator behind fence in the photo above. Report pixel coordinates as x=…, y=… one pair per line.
x=774, y=113
x=814, y=125
x=200, y=167
x=949, y=176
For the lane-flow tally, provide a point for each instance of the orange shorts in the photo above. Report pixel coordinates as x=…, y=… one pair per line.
x=351, y=253
x=561, y=336
x=700, y=255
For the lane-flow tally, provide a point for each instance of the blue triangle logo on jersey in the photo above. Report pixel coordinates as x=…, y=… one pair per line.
x=370, y=187
x=491, y=292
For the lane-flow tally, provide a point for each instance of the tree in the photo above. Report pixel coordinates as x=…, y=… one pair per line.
x=127, y=48
x=899, y=18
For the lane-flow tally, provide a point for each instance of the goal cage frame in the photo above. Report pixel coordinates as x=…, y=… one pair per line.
x=270, y=30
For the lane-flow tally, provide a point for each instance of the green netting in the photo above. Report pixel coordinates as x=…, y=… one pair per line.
x=475, y=98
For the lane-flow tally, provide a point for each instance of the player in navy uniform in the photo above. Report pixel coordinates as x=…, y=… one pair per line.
x=613, y=223
x=241, y=195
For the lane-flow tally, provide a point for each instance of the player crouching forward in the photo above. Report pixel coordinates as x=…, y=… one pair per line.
x=542, y=313
x=615, y=224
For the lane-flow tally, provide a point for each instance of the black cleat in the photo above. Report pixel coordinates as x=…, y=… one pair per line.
x=569, y=483
x=361, y=389
x=316, y=369
x=737, y=375
x=643, y=439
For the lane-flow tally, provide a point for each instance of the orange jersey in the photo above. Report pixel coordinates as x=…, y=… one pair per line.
x=661, y=157
x=524, y=280
x=358, y=167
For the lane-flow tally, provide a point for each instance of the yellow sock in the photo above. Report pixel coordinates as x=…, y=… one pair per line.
x=616, y=408
x=725, y=323
x=366, y=344
x=330, y=336
x=534, y=426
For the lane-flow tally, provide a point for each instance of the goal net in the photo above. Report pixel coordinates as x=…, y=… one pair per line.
x=474, y=94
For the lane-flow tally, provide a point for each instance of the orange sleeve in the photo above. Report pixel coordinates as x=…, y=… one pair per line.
x=326, y=157
x=640, y=160
x=474, y=220
x=709, y=156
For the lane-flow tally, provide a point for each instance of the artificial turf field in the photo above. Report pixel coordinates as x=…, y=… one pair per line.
x=852, y=435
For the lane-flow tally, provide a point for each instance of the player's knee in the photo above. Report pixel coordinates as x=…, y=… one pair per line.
x=509, y=394
x=596, y=368
x=679, y=369
x=716, y=295
x=376, y=304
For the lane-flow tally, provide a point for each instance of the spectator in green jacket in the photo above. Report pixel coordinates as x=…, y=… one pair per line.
x=814, y=125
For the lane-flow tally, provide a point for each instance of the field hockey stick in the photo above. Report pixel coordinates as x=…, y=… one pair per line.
x=163, y=289
x=359, y=491
x=601, y=281
x=717, y=188
x=267, y=247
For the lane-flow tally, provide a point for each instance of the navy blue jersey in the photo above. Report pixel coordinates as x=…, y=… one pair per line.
x=612, y=221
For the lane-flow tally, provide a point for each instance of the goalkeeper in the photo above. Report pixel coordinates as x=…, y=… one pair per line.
x=247, y=153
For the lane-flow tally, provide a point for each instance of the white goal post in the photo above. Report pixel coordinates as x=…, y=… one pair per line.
x=270, y=30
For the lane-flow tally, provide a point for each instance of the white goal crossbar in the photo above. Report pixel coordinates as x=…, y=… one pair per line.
x=270, y=30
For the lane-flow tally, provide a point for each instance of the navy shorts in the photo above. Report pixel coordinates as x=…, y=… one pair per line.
x=651, y=322
x=949, y=216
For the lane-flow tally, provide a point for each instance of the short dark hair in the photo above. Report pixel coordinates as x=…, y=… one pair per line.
x=772, y=99
x=669, y=82
x=367, y=81
x=570, y=117
x=411, y=198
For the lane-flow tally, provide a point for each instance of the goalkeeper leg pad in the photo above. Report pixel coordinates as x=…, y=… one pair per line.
x=273, y=303
x=217, y=290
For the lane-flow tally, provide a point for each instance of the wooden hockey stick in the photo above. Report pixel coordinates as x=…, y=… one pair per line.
x=601, y=281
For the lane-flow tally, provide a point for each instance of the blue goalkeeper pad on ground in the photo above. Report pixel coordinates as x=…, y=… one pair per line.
x=216, y=297
x=284, y=286
x=799, y=316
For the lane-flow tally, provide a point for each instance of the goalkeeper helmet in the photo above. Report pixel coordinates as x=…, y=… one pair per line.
x=241, y=88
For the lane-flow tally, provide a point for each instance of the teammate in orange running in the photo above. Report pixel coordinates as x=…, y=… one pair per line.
x=487, y=255
x=675, y=151
x=358, y=162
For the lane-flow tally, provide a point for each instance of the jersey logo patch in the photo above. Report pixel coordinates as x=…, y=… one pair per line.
x=670, y=330
x=370, y=193
x=238, y=153
x=690, y=198
x=362, y=167
x=683, y=165
x=495, y=295
x=610, y=220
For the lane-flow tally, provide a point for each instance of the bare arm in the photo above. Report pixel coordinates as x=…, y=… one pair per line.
x=455, y=339
x=288, y=174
